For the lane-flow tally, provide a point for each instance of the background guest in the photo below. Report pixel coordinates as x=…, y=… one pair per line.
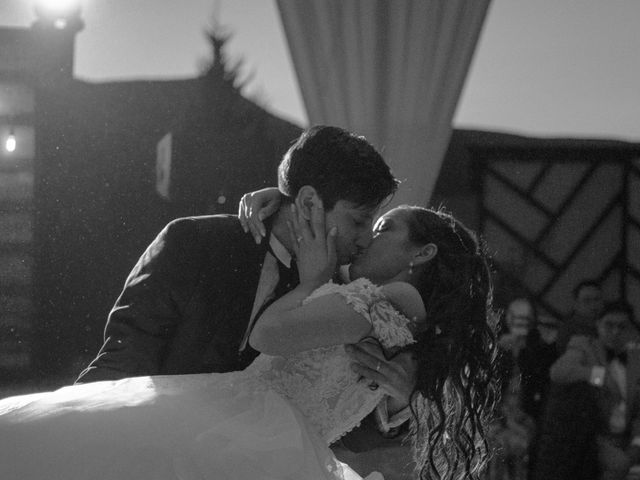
x=612, y=371
x=587, y=306
x=513, y=430
x=535, y=360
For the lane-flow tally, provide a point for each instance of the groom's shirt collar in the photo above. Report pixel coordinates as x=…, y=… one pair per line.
x=279, y=251
x=269, y=276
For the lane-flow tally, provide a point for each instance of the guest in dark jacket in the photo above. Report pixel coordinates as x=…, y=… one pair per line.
x=535, y=360
x=598, y=380
x=587, y=306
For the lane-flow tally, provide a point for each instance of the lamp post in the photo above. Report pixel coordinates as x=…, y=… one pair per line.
x=59, y=14
x=56, y=25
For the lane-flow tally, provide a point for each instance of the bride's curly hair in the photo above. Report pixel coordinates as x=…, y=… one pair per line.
x=457, y=381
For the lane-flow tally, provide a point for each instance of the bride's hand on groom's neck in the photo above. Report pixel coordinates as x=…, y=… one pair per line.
x=255, y=207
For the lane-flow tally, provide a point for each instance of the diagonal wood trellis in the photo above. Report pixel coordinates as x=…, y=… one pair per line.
x=553, y=216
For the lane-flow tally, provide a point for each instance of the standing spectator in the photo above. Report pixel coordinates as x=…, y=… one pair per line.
x=587, y=306
x=528, y=350
x=513, y=430
x=519, y=319
x=612, y=369
x=535, y=360
x=548, y=329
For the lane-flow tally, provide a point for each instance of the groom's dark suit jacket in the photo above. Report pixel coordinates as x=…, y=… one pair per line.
x=185, y=305
x=185, y=308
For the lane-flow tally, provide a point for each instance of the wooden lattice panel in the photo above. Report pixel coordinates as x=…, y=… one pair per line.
x=552, y=222
x=632, y=271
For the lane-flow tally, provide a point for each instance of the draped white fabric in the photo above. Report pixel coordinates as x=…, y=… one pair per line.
x=391, y=70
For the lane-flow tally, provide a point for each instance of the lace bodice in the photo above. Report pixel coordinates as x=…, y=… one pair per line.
x=320, y=382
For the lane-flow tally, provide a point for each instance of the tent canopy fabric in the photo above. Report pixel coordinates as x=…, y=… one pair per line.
x=391, y=70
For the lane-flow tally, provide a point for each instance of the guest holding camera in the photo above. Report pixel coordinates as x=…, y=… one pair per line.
x=612, y=368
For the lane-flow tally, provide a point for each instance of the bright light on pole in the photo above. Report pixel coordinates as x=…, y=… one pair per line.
x=57, y=11
x=10, y=144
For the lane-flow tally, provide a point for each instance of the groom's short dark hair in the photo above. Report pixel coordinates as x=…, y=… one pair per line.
x=339, y=165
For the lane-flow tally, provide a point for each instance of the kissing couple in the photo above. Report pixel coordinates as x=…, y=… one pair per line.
x=228, y=357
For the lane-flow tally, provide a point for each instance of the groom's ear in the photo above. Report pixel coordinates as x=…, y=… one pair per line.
x=307, y=197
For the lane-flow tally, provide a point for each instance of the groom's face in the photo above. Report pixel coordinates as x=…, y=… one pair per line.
x=355, y=225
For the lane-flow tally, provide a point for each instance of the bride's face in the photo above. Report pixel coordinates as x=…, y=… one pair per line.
x=388, y=256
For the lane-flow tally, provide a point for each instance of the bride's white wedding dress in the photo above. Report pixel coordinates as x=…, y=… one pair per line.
x=272, y=421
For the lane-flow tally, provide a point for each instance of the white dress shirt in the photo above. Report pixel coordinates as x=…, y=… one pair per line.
x=269, y=277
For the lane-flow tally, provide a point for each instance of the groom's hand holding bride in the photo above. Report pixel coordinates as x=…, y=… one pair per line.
x=396, y=377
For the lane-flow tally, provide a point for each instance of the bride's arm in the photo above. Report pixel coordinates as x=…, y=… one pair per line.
x=254, y=207
x=288, y=327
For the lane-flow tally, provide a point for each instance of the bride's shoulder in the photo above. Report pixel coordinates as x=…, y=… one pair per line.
x=406, y=298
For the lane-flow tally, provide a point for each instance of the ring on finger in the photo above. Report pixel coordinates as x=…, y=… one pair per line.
x=299, y=239
x=378, y=367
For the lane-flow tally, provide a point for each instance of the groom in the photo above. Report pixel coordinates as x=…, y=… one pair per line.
x=189, y=303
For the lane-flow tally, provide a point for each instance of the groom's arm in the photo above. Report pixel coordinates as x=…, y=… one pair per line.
x=149, y=308
x=389, y=423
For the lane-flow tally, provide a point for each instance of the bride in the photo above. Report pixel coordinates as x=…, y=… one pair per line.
x=423, y=284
